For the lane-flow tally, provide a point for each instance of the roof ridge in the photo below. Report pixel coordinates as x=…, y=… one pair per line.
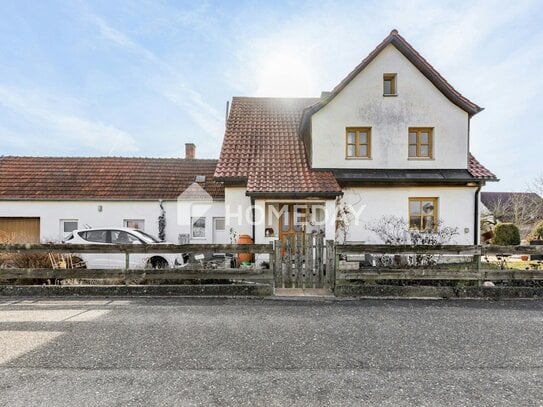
x=404, y=47
x=107, y=157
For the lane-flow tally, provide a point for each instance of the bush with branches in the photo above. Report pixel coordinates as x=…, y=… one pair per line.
x=394, y=230
x=537, y=233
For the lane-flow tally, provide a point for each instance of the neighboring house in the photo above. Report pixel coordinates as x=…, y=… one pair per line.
x=524, y=209
x=392, y=138
x=45, y=198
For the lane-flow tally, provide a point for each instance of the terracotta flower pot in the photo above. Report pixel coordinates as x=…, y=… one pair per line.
x=245, y=239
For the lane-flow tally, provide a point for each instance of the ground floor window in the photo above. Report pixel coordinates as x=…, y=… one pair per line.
x=67, y=226
x=423, y=213
x=198, y=227
x=134, y=224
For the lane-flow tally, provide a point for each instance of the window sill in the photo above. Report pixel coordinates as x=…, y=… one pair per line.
x=358, y=158
x=390, y=95
x=420, y=158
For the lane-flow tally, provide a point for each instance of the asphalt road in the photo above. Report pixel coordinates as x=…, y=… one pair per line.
x=164, y=352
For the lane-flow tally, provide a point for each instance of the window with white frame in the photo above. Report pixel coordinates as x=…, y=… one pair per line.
x=67, y=226
x=198, y=227
x=134, y=224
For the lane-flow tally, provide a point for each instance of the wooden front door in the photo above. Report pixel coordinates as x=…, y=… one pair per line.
x=292, y=222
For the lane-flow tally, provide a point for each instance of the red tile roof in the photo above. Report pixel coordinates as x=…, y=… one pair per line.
x=261, y=146
x=478, y=170
x=103, y=177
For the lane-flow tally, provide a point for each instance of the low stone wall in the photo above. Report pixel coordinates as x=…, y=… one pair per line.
x=204, y=290
x=354, y=290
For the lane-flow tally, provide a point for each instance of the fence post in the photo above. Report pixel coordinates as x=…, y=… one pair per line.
x=308, y=263
x=288, y=261
x=478, y=265
x=126, y=260
x=319, y=260
x=278, y=264
x=330, y=263
x=298, y=259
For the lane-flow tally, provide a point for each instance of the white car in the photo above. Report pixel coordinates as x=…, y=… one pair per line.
x=109, y=236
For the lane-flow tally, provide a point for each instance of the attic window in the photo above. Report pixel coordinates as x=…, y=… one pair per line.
x=389, y=84
x=200, y=178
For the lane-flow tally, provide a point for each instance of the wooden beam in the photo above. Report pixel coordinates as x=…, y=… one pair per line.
x=438, y=274
x=138, y=248
x=157, y=274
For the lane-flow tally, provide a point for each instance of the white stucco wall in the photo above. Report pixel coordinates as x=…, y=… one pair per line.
x=112, y=215
x=455, y=206
x=362, y=104
x=238, y=211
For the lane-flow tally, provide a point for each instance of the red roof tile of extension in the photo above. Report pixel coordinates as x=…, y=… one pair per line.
x=478, y=170
x=116, y=178
x=261, y=146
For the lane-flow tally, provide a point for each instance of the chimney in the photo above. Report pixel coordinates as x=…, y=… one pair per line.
x=190, y=150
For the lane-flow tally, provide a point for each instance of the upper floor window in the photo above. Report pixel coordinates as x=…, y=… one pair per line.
x=420, y=142
x=358, y=142
x=389, y=84
x=423, y=214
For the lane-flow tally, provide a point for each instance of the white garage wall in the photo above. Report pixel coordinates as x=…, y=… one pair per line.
x=112, y=215
x=456, y=206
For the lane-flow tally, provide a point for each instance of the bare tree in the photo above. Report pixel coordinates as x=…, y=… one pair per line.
x=524, y=209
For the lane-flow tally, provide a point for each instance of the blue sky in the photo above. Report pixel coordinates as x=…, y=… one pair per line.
x=141, y=78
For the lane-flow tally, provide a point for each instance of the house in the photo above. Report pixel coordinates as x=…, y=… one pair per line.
x=391, y=139
x=45, y=198
x=524, y=209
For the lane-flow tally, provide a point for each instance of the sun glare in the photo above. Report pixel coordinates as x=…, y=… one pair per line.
x=284, y=73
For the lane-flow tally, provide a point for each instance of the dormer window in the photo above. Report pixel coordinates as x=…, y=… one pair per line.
x=389, y=84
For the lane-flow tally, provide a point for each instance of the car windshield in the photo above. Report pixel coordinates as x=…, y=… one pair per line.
x=146, y=237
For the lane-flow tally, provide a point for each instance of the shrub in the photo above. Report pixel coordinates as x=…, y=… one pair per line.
x=538, y=231
x=506, y=234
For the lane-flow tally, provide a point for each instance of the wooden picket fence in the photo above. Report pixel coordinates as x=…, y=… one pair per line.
x=189, y=272
x=480, y=263
x=302, y=261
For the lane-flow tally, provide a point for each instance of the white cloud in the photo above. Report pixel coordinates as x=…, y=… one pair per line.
x=166, y=80
x=52, y=115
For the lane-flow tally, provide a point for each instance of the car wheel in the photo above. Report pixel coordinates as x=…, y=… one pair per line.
x=157, y=263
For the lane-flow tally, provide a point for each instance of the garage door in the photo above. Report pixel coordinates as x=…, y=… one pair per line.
x=20, y=230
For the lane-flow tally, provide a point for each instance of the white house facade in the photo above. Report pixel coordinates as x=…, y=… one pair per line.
x=392, y=139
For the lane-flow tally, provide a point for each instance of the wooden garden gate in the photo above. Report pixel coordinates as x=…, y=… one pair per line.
x=304, y=261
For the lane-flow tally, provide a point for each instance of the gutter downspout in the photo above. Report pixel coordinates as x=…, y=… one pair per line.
x=476, y=222
x=253, y=216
